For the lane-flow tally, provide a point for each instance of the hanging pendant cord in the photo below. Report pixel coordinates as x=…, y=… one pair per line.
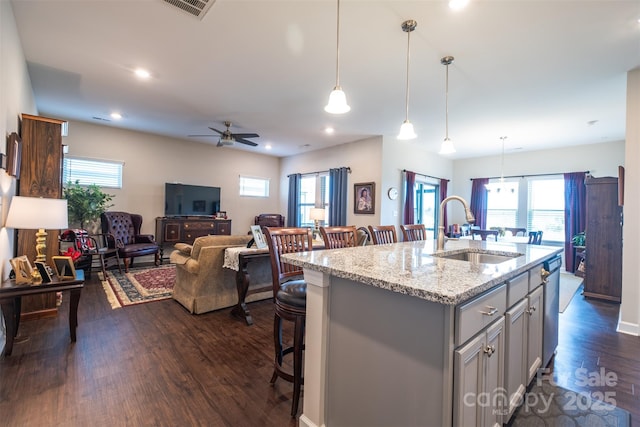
x=338, y=46
x=407, y=94
x=446, y=103
x=502, y=161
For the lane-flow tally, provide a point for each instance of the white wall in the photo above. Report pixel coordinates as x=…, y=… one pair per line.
x=629, y=321
x=409, y=155
x=363, y=157
x=16, y=97
x=599, y=159
x=151, y=160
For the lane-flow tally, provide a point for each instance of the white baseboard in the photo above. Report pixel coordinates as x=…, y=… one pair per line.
x=628, y=328
x=303, y=421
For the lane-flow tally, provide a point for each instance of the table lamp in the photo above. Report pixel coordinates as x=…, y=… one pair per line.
x=317, y=215
x=38, y=213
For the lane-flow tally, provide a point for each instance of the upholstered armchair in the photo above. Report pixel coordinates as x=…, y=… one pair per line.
x=123, y=232
x=269, y=220
x=203, y=284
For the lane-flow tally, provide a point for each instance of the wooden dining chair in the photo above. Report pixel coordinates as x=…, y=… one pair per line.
x=290, y=295
x=515, y=231
x=381, y=234
x=339, y=236
x=413, y=232
x=535, y=237
x=484, y=233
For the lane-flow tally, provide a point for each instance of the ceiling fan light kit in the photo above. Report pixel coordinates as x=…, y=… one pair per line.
x=406, y=130
x=447, y=146
x=228, y=138
x=337, y=99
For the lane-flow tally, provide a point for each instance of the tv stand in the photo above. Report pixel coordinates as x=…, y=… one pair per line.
x=185, y=229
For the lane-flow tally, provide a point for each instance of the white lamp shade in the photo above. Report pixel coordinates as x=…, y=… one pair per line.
x=337, y=102
x=34, y=213
x=406, y=131
x=447, y=147
x=316, y=214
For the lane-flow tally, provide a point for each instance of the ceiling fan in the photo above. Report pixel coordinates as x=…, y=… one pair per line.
x=229, y=138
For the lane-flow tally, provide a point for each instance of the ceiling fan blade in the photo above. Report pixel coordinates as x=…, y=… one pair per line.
x=246, y=135
x=219, y=144
x=244, y=141
x=219, y=131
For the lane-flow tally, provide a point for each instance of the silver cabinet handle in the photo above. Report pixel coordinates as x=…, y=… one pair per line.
x=489, y=350
x=491, y=312
x=531, y=310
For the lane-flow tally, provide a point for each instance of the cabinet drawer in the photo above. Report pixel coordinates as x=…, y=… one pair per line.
x=205, y=225
x=517, y=288
x=471, y=317
x=535, y=276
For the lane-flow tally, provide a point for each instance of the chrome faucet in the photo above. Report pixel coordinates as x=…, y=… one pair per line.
x=470, y=218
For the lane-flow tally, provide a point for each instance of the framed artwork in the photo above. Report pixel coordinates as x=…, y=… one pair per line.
x=44, y=271
x=63, y=266
x=364, y=198
x=22, y=269
x=221, y=214
x=14, y=154
x=258, y=237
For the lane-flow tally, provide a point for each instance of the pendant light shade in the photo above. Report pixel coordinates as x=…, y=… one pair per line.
x=406, y=130
x=337, y=99
x=447, y=146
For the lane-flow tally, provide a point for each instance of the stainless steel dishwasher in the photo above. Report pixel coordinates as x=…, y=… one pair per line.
x=551, y=280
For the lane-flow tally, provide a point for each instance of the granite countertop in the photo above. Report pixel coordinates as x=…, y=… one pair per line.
x=411, y=268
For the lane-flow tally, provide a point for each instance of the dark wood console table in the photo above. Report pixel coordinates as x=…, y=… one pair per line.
x=11, y=302
x=172, y=230
x=243, y=279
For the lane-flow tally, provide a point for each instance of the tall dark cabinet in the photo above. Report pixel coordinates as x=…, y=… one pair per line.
x=40, y=176
x=603, y=278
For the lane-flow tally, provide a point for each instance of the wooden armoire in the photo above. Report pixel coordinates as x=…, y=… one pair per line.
x=603, y=278
x=40, y=176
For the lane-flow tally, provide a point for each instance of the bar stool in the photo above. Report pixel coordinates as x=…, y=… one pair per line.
x=290, y=296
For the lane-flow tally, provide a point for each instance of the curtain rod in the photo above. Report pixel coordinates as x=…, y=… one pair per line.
x=312, y=173
x=528, y=175
x=426, y=176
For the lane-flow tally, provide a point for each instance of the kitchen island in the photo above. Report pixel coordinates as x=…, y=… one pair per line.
x=397, y=334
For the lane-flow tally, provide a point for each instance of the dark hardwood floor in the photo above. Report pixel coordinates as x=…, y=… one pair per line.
x=157, y=365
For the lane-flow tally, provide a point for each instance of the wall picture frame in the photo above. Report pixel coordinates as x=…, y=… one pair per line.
x=22, y=269
x=14, y=154
x=64, y=268
x=364, y=198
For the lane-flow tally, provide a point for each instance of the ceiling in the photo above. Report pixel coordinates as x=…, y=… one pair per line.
x=543, y=73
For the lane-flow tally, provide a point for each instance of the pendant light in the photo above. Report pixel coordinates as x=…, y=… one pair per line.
x=447, y=146
x=406, y=130
x=337, y=99
x=500, y=186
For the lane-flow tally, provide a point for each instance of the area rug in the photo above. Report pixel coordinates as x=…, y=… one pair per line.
x=569, y=285
x=546, y=404
x=139, y=285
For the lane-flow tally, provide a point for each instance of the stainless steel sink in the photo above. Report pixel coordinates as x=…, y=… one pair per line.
x=478, y=257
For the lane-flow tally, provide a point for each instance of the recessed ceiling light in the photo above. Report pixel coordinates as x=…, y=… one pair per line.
x=267, y=147
x=116, y=116
x=329, y=130
x=142, y=73
x=458, y=4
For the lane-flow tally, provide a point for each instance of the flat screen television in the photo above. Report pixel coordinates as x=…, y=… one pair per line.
x=191, y=200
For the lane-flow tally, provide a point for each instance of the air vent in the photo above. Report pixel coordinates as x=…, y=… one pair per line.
x=197, y=8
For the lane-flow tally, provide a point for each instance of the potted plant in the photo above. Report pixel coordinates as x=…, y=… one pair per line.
x=579, y=239
x=85, y=202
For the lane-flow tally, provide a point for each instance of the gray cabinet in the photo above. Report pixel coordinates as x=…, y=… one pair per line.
x=516, y=331
x=534, y=332
x=478, y=377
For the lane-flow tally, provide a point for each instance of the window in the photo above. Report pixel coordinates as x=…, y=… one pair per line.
x=536, y=203
x=546, y=208
x=314, y=191
x=103, y=173
x=254, y=187
x=426, y=201
x=502, y=205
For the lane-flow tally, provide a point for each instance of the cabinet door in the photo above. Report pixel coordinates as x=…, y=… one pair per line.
x=171, y=232
x=493, y=387
x=468, y=376
x=534, y=332
x=223, y=227
x=516, y=354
